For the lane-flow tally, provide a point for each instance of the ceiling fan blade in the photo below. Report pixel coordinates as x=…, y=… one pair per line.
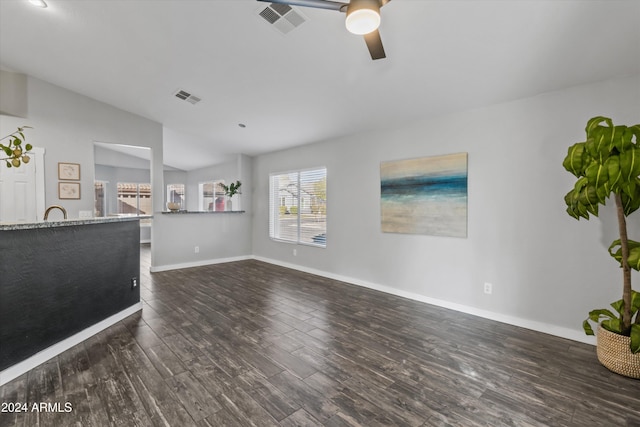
x=318, y=4
x=374, y=43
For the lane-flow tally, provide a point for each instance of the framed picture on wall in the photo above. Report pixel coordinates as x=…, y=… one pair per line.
x=68, y=190
x=69, y=171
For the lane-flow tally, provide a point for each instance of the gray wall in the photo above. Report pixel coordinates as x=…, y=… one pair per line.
x=228, y=172
x=219, y=236
x=114, y=175
x=547, y=269
x=66, y=124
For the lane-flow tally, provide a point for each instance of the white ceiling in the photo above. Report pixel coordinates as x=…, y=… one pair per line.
x=317, y=82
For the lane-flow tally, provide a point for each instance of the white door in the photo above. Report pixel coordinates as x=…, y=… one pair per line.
x=22, y=190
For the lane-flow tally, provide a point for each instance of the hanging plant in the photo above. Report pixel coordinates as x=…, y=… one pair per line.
x=16, y=152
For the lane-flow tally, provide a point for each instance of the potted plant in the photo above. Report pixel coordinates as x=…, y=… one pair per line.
x=16, y=153
x=607, y=165
x=231, y=190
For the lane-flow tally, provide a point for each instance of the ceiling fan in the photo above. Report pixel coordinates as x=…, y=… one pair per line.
x=363, y=18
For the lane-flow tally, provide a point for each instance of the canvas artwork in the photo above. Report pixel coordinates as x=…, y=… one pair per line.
x=425, y=196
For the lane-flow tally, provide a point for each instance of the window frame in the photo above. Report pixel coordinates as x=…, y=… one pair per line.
x=138, y=198
x=201, y=198
x=183, y=203
x=275, y=204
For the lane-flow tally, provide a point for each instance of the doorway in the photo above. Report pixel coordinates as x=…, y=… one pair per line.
x=22, y=197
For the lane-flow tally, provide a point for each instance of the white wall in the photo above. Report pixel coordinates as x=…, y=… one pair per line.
x=218, y=236
x=547, y=269
x=13, y=87
x=228, y=172
x=114, y=175
x=66, y=124
x=174, y=177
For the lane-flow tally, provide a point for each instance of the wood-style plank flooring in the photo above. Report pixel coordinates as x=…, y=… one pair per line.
x=252, y=344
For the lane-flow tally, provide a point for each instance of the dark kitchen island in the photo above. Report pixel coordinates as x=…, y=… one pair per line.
x=61, y=282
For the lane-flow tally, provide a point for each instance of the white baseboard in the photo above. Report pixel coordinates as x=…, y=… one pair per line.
x=158, y=268
x=571, y=334
x=39, y=358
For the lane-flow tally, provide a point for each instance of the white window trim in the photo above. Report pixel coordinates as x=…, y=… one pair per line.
x=276, y=198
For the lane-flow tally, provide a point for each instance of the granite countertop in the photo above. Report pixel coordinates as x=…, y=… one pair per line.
x=63, y=223
x=199, y=212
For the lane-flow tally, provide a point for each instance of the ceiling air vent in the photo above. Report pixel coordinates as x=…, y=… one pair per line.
x=282, y=17
x=186, y=96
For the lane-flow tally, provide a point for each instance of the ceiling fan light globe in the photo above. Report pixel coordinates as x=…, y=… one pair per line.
x=362, y=21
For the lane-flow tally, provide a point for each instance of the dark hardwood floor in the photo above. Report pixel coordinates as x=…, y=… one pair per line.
x=252, y=344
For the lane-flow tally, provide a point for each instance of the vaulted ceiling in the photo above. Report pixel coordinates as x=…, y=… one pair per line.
x=318, y=81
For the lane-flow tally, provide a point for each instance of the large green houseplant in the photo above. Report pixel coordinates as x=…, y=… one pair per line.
x=607, y=165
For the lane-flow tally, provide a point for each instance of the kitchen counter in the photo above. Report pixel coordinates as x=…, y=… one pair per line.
x=4, y=226
x=59, y=279
x=200, y=212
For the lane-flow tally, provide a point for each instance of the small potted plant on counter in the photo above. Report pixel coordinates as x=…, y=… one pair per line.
x=230, y=191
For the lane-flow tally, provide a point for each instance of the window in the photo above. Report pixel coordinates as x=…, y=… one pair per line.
x=175, y=194
x=298, y=206
x=100, y=198
x=134, y=199
x=211, y=196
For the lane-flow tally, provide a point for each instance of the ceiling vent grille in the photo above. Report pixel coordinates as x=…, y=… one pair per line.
x=186, y=96
x=282, y=17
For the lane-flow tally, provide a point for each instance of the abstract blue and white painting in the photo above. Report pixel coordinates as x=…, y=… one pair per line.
x=427, y=195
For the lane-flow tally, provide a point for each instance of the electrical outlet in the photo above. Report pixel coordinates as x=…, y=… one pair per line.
x=134, y=282
x=196, y=249
x=295, y=252
x=488, y=288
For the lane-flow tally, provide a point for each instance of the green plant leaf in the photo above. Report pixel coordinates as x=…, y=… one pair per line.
x=595, y=122
x=634, y=255
x=613, y=325
x=587, y=327
x=630, y=164
x=8, y=151
x=598, y=143
x=572, y=213
x=635, y=338
x=618, y=306
x=595, y=315
x=618, y=252
x=627, y=140
x=635, y=302
x=624, y=142
x=589, y=198
x=614, y=171
x=628, y=188
x=597, y=174
x=574, y=162
x=615, y=250
x=631, y=204
x=582, y=210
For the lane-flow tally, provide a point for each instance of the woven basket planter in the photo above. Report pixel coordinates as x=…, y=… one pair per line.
x=614, y=354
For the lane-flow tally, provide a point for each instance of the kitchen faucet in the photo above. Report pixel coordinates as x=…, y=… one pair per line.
x=46, y=213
